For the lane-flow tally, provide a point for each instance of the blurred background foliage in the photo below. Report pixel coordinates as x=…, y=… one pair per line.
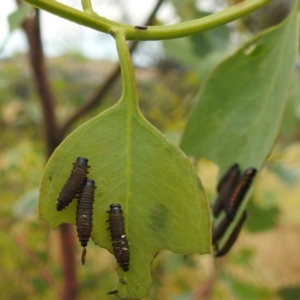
x=263, y=264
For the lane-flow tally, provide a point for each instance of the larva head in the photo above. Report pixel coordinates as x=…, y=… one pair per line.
x=115, y=208
x=81, y=160
x=250, y=172
x=233, y=172
x=89, y=182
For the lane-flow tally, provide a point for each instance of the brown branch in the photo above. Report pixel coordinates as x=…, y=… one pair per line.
x=31, y=27
x=68, y=262
x=53, y=137
x=98, y=95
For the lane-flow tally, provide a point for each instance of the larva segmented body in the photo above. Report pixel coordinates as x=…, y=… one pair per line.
x=118, y=236
x=233, y=237
x=225, y=187
x=239, y=193
x=84, y=214
x=73, y=184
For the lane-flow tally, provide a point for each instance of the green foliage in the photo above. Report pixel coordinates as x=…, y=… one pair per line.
x=261, y=218
x=244, y=257
x=134, y=165
x=207, y=48
x=241, y=105
x=289, y=293
x=291, y=115
x=26, y=204
x=246, y=291
x=290, y=176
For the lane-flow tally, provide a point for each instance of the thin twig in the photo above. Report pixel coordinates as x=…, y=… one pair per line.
x=67, y=238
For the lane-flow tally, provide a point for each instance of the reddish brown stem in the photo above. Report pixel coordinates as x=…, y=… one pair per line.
x=68, y=258
x=32, y=29
x=36, y=55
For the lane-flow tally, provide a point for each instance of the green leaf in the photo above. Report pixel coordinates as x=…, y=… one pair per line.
x=291, y=116
x=289, y=293
x=201, y=51
x=261, y=218
x=26, y=204
x=244, y=257
x=134, y=165
x=239, y=110
x=16, y=18
x=246, y=291
x=290, y=176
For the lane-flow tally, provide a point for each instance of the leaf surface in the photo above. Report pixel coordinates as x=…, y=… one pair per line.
x=134, y=165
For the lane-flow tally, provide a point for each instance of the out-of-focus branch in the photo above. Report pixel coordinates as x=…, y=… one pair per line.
x=204, y=291
x=32, y=29
x=67, y=238
x=53, y=137
x=97, y=97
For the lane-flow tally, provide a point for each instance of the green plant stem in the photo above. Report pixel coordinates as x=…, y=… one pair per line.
x=99, y=23
x=129, y=90
x=98, y=95
x=87, y=6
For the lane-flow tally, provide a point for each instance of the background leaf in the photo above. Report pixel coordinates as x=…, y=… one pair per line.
x=290, y=176
x=261, y=218
x=201, y=51
x=289, y=293
x=26, y=204
x=244, y=290
x=291, y=114
x=239, y=110
x=16, y=18
x=135, y=165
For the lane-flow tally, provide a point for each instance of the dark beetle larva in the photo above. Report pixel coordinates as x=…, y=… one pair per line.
x=239, y=193
x=73, y=184
x=220, y=229
x=118, y=236
x=233, y=237
x=84, y=214
x=225, y=188
x=226, y=176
